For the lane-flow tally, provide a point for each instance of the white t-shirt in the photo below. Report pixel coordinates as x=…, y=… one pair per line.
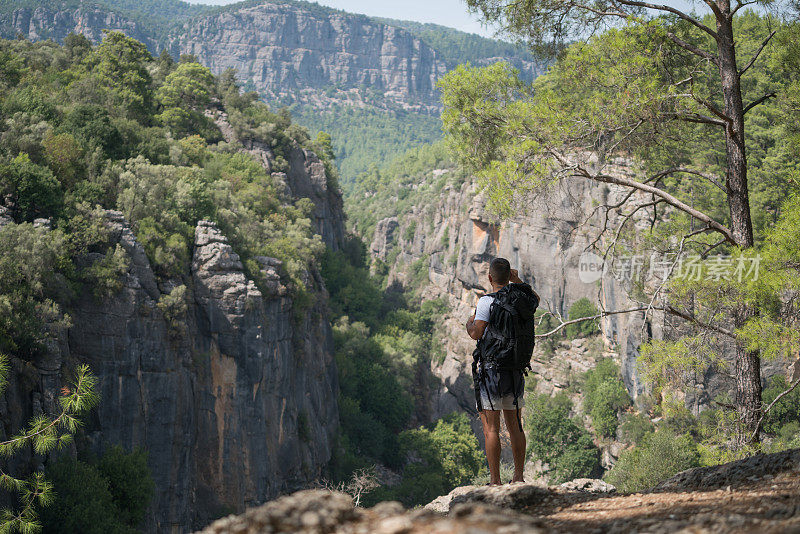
x=482, y=310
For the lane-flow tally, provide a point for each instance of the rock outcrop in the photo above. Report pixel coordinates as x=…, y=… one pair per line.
x=323, y=512
x=762, y=499
x=234, y=399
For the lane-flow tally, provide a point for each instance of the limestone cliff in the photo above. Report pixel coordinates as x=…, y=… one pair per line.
x=284, y=48
x=449, y=236
x=295, y=49
x=230, y=389
x=50, y=21
x=457, y=238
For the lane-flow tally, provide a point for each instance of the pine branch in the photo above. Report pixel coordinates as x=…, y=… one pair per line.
x=771, y=404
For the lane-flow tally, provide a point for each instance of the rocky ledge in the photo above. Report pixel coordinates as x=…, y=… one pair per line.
x=758, y=494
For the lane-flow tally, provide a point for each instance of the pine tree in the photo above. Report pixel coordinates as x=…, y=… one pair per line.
x=44, y=433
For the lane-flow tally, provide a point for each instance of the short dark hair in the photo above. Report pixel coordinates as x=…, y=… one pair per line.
x=500, y=270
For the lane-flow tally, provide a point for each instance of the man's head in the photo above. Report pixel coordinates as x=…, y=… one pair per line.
x=499, y=271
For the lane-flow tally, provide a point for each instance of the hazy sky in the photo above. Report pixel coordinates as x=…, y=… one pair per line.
x=452, y=13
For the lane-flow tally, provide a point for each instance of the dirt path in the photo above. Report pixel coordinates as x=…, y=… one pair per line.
x=769, y=505
x=760, y=494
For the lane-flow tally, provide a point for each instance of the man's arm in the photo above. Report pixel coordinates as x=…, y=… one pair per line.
x=514, y=278
x=475, y=328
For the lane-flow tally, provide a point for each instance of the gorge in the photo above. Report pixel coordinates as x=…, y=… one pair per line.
x=260, y=322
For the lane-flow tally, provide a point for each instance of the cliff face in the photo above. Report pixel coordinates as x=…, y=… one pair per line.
x=50, y=22
x=230, y=389
x=285, y=48
x=458, y=238
x=455, y=238
x=282, y=49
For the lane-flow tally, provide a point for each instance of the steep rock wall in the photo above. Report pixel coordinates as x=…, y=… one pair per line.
x=280, y=48
x=232, y=392
x=458, y=238
x=49, y=22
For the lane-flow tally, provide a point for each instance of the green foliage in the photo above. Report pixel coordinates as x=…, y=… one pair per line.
x=658, y=456
x=374, y=406
x=442, y=458
x=184, y=96
x=353, y=291
x=118, y=65
x=546, y=322
x=459, y=47
x=581, y=308
x=31, y=188
x=30, y=286
x=559, y=441
x=363, y=138
x=83, y=503
x=786, y=411
x=604, y=395
x=380, y=358
x=105, y=275
x=174, y=307
x=129, y=482
x=43, y=434
x=634, y=427
x=407, y=181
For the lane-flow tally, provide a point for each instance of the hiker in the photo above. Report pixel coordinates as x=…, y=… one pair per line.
x=503, y=325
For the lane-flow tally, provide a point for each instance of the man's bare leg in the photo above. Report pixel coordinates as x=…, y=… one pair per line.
x=491, y=435
x=518, y=443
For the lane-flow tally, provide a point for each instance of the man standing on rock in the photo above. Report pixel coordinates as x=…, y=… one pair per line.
x=503, y=325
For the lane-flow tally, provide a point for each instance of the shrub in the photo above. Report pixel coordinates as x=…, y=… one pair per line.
x=83, y=503
x=604, y=396
x=579, y=309
x=559, y=441
x=34, y=190
x=31, y=285
x=129, y=481
x=658, y=456
x=174, y=307
x=545, y=322
x=439, y=459
x=634, y=427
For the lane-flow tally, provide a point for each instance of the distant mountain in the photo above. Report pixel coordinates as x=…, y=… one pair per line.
x=319, y=60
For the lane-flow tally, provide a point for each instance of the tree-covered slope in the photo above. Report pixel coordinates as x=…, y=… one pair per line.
x=375, y=109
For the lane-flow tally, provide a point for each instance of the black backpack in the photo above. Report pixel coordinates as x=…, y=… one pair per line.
x=509, y=338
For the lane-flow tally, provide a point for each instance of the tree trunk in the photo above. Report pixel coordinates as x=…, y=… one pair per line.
x=748, y=365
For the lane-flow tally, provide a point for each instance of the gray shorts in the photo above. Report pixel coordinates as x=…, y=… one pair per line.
x=498, y=390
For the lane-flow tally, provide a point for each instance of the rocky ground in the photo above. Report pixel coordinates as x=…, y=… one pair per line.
x=758, y=494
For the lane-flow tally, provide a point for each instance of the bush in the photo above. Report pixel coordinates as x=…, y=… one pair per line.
x=83, y=502
x=440, y=459
x=558, y=441
x=582, y=308
x=33, y=189
x=545, y=322
x=604, y=396
x=129, y=481
x=634, y=427
x=658, y=456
